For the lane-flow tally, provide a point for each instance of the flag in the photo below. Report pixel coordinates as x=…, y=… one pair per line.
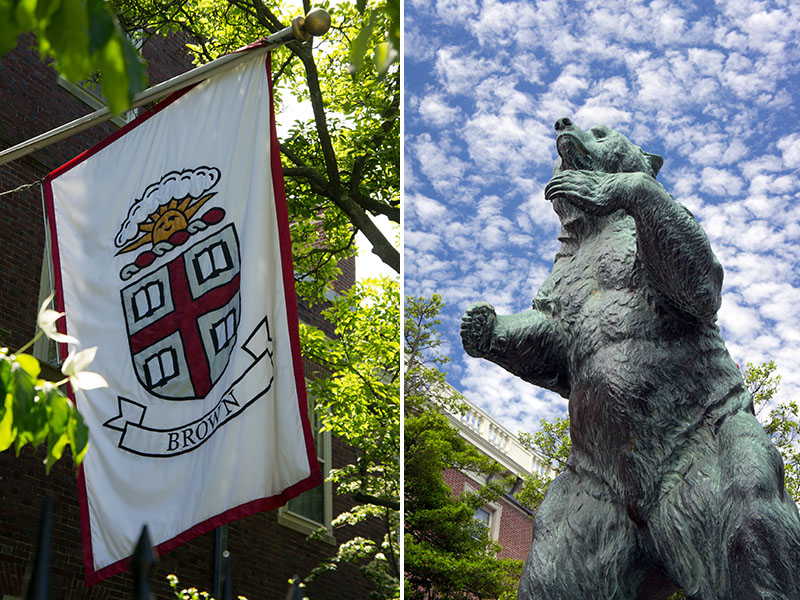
x=172, y=255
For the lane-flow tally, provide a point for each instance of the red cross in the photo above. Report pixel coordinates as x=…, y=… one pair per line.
x=184, y=320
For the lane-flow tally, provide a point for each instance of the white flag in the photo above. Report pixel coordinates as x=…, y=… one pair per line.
x=172, y=256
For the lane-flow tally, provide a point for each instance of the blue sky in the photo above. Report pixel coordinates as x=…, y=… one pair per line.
x=711, y=87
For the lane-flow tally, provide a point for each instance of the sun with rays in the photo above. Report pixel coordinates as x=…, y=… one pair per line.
x=166, y=220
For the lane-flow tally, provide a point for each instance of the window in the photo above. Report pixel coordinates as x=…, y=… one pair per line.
x=161, y=367
x=147, y=300
x=483, y=516
x=212, y=261
x=223, y=331
x=488, y=515
x=313, y=509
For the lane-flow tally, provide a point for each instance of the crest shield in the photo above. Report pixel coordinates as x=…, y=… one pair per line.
x=182, y=318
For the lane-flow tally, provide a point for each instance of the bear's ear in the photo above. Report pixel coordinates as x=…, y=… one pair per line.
x=655, y=161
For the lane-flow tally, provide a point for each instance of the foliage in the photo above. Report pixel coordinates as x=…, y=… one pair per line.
x=448, y=553
x=386, y=53
x=191, y=593
x=82, y=36
x=781, y=422
x=358, y=399
x=552, y=444
x=424, y=386
x=34, y=410
x=342, y=167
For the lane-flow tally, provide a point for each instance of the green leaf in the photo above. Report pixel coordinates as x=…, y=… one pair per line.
x=68, y=35
x=29, y=363
x=101, y=25
x=5, y=377
x=359, y=46
x=45, y=9
x=7, y=429
x=8, y=26
x=55, y=448
x=123, y=73
x=393, y=10
x=24, y=394
x=25, y=14
x=58, y=410
x=385, y=55
x=78, y=436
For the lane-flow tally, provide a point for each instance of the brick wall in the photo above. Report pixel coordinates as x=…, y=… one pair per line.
x=516, y=531
x=516, y=526
x=264, y=553
x=31, y=103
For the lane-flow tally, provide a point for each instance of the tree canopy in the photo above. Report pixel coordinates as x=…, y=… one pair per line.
x=82, y=37
x=448, y=553
x=358, y=399
x=342, y=166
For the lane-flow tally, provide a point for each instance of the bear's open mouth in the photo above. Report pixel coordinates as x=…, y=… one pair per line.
x=574, y=155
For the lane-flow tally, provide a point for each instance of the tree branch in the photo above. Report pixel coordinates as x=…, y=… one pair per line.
x=377, y=207
x=309, y=173
x=318, y=106
x=265, y=16
x=385, y=502
x=381, y=247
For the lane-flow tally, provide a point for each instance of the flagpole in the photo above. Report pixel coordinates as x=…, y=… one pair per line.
x=316, y=23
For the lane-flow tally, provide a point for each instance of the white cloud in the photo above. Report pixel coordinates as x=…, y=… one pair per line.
x=435, y=110
x=427, y=209
x=454, y=11
x=515, y=403
x=490, y=137
x=598, y=112
x=712, y=88
x=440, y=166
x=572, y=80
x=741, y=321
x=425, y=242
x=790, y=150
x=460, y=73
x=721, y=182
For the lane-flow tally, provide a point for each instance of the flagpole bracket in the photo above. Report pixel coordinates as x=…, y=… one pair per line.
x=299, y=30
x=317, y=22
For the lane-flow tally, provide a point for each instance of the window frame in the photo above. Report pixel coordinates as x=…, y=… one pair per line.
x=495, y=510
x=299, y=522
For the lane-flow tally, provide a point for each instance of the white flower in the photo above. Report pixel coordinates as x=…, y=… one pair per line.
x=47, y=323
x=74, y=366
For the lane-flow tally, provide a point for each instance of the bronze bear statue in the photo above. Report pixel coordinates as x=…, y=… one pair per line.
x=671, y=481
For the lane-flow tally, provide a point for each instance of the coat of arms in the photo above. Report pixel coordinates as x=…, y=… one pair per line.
x=182, y=307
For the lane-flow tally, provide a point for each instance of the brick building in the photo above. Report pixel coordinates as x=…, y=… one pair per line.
x=509, y=523
x=266, y=549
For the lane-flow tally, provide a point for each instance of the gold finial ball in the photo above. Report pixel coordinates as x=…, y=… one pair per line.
x=317, y=22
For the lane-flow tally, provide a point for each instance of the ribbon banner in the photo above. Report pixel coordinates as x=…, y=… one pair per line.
x=172, y=255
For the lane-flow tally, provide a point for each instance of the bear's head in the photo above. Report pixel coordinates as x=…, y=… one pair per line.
x=600, y=149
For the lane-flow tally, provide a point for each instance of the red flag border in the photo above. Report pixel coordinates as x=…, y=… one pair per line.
x=93, y=576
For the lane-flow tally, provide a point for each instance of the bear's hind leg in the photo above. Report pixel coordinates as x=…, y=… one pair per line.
x=764, y=526
x=725, y=528
x=584, y=546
